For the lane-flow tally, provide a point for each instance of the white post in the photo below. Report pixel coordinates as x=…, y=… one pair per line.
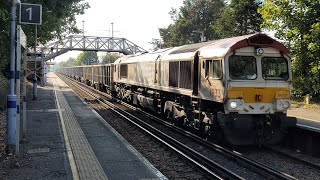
x=18, y=89
x=12, y=99
x=24, y=95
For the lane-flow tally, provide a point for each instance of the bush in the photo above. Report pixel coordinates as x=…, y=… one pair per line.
x=4, y=91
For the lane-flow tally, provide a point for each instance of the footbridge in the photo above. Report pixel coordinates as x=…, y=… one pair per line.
x=90, y=43
x=79, y=43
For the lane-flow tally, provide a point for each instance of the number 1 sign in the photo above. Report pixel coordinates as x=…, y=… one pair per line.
x=30, y=14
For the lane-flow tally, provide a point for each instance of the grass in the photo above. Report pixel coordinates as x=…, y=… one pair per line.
x=301, y=104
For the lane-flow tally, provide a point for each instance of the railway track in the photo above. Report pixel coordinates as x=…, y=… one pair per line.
x=295, y=158
x=302, y=167
x=215, y=161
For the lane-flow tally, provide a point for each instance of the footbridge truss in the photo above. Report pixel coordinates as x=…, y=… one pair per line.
x=90, y=43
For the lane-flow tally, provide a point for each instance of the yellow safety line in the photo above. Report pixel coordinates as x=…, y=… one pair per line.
x=73, y=166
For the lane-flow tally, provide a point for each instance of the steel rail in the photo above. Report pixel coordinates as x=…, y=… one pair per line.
x=293, y=157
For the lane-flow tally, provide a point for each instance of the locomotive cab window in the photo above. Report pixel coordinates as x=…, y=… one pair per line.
x=213, y=69
x=242, y=67
x=274, y=68
x=123, y=71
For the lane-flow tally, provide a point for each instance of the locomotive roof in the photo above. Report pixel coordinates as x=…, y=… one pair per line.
x=221, y=47
x=215, y=48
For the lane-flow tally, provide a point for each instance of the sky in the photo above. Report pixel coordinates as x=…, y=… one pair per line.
x=136, y=20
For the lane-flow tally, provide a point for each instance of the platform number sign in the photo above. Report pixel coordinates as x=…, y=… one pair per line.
x=30, y=14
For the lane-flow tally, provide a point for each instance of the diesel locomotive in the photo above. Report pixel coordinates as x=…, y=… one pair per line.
x=236, y=89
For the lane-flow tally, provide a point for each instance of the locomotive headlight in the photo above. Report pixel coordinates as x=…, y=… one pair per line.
x=233, y=104
x=282, y=104
x=285, y=104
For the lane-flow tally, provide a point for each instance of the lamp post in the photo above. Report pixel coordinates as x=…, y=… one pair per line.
x=112, y=29
x=84, y=42
x=83, y=27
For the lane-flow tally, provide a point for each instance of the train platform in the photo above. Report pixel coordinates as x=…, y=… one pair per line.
x=306, y=118
x=66, y=139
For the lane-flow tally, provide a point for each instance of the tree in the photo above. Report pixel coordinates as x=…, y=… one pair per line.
x=194, y=18
x=4, y=36
x=87, y=58
x=165, y=34
x=58, y=20
x=239, y=18
x=70, y=62
x=297, y=23
x=110, y=58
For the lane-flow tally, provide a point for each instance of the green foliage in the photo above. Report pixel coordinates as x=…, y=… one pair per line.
x=213, y=18
x=69, y=63
x=165, y=34
x=239, y=18
x=193, y=18
x=58, y=20
x=4, y=36
x=86, y=58
x=297, y=23
x=110, y=57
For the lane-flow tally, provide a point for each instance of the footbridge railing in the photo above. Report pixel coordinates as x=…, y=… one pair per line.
x=90, y=43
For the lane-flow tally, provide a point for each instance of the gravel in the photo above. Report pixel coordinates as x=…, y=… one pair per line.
x=284, y=164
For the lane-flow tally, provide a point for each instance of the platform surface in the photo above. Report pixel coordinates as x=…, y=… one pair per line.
x=117, y=158
x=308, y=118
x=66, y=139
